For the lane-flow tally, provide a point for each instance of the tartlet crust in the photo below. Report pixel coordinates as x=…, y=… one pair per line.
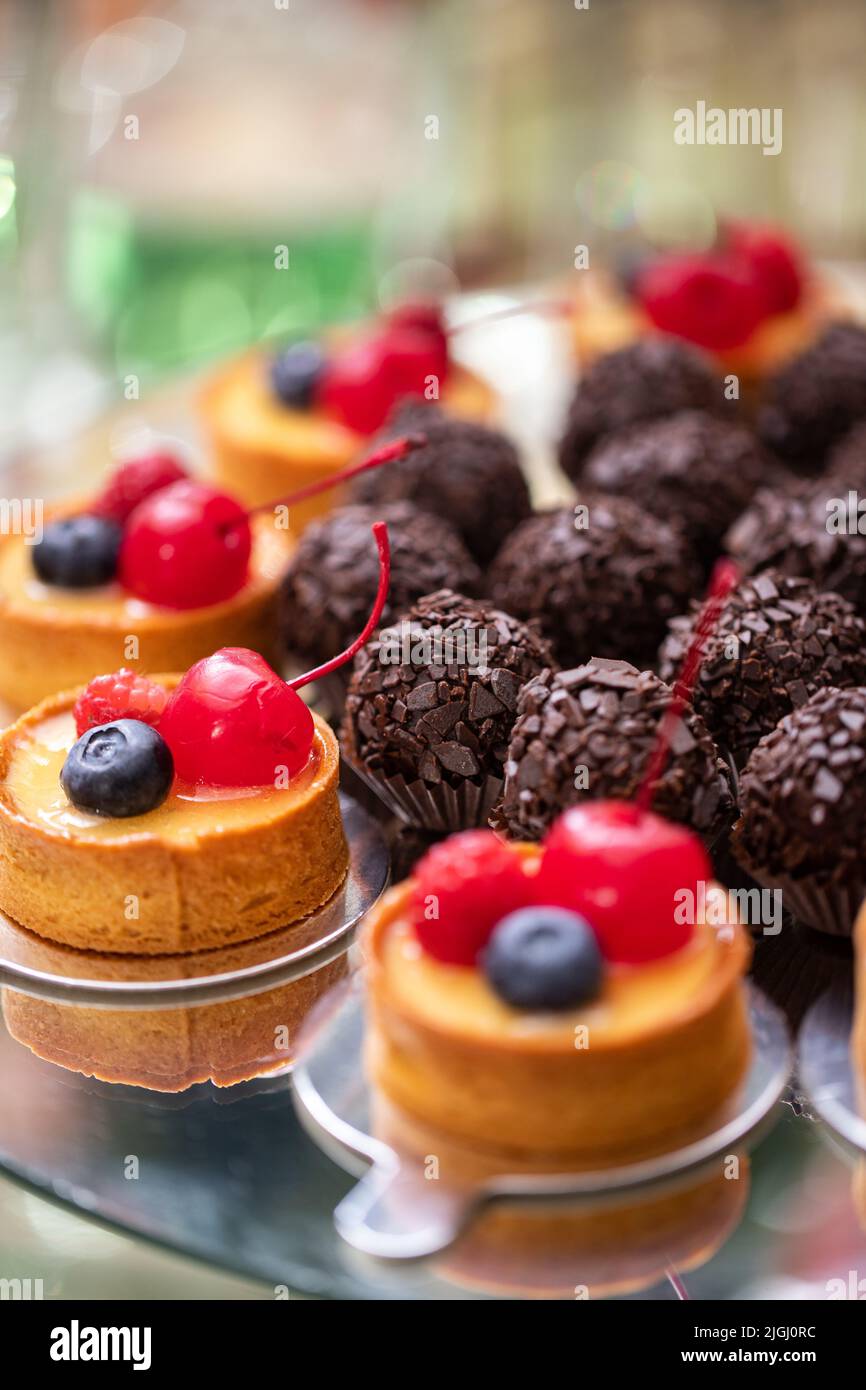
x=234, y=884
x=52, y=646
x=537, y=1093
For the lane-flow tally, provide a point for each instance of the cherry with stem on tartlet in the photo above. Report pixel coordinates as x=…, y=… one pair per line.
x=230, y=722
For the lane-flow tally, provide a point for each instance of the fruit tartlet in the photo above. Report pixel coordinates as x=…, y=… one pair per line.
x=296, y=419
x=560, y=1003
x=174, y=815
x=156, y=572
x=751, y=301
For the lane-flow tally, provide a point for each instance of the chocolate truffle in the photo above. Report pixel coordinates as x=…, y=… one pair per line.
x=777, y=641
x=803, y=809
x=433, y=698
x=846, y=462
x=696, y=467
x=651, y=378
x=816, y=398
x=331, y=582
x=466, y=473
x=603, y=588
x=793, y=529
x=589, y=733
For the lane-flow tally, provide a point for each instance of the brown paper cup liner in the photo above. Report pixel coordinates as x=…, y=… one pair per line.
x=826, y=907
x=439, y=808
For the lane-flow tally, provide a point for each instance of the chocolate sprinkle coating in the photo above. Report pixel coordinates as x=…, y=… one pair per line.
x=696, y=467
x=331, y=582
x=604, y=717
x=778, y=640
x=816, y=398
x=605, y=590
x=647, y=380
x=437, y=720
x=803, y=793
x=466, y=473
x=787, y=529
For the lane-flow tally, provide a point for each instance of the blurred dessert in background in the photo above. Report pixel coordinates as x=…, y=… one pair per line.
x=276, y=425
x=752, y=301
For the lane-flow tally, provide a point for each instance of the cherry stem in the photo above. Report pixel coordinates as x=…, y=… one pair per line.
x=380, y=531
x=388, y=453
x=724, y=578
x=555, y=308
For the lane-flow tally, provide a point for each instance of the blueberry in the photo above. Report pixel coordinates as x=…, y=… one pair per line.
x=543, y=958
x=119, y=769
x=78, y=552
x=295, y=374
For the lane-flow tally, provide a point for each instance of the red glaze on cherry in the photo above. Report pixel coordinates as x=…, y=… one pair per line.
x=186, y=546
x=363, y=382
x=461, y=889
x=425, y=319
x=621, y=869
x=774, y=261
x=131, y=482
x=123, y=694
x=713, y=301
x=232, y=722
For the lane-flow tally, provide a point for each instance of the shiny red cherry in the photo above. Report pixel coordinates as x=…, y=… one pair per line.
x=232, y=722
x=354, y=387
x=629, y=873
x=186, y=546
x=774, y=261
x=361, y=384
x=134, y=480
x=712, y=300
x=425, y=319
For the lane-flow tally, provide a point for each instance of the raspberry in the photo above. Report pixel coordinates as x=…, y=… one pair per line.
x=122, y=695
x=131, y=482
x=462, y=888
x=714, y=301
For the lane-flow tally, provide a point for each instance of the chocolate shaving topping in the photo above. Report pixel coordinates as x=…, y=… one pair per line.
x=467, y=474
x=602, y=719
x=811, y=403
x=649, y=379
x=606, y=590
x=778, y=640
x=803, y=794
x=793, y=529
x=694, y=466
x=333, y=575
x=403, y=720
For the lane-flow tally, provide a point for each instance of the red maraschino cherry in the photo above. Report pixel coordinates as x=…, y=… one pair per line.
x=233, y=722
x=774, y=260
x=621, y=869
x=186, y=546
x=711, y=300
